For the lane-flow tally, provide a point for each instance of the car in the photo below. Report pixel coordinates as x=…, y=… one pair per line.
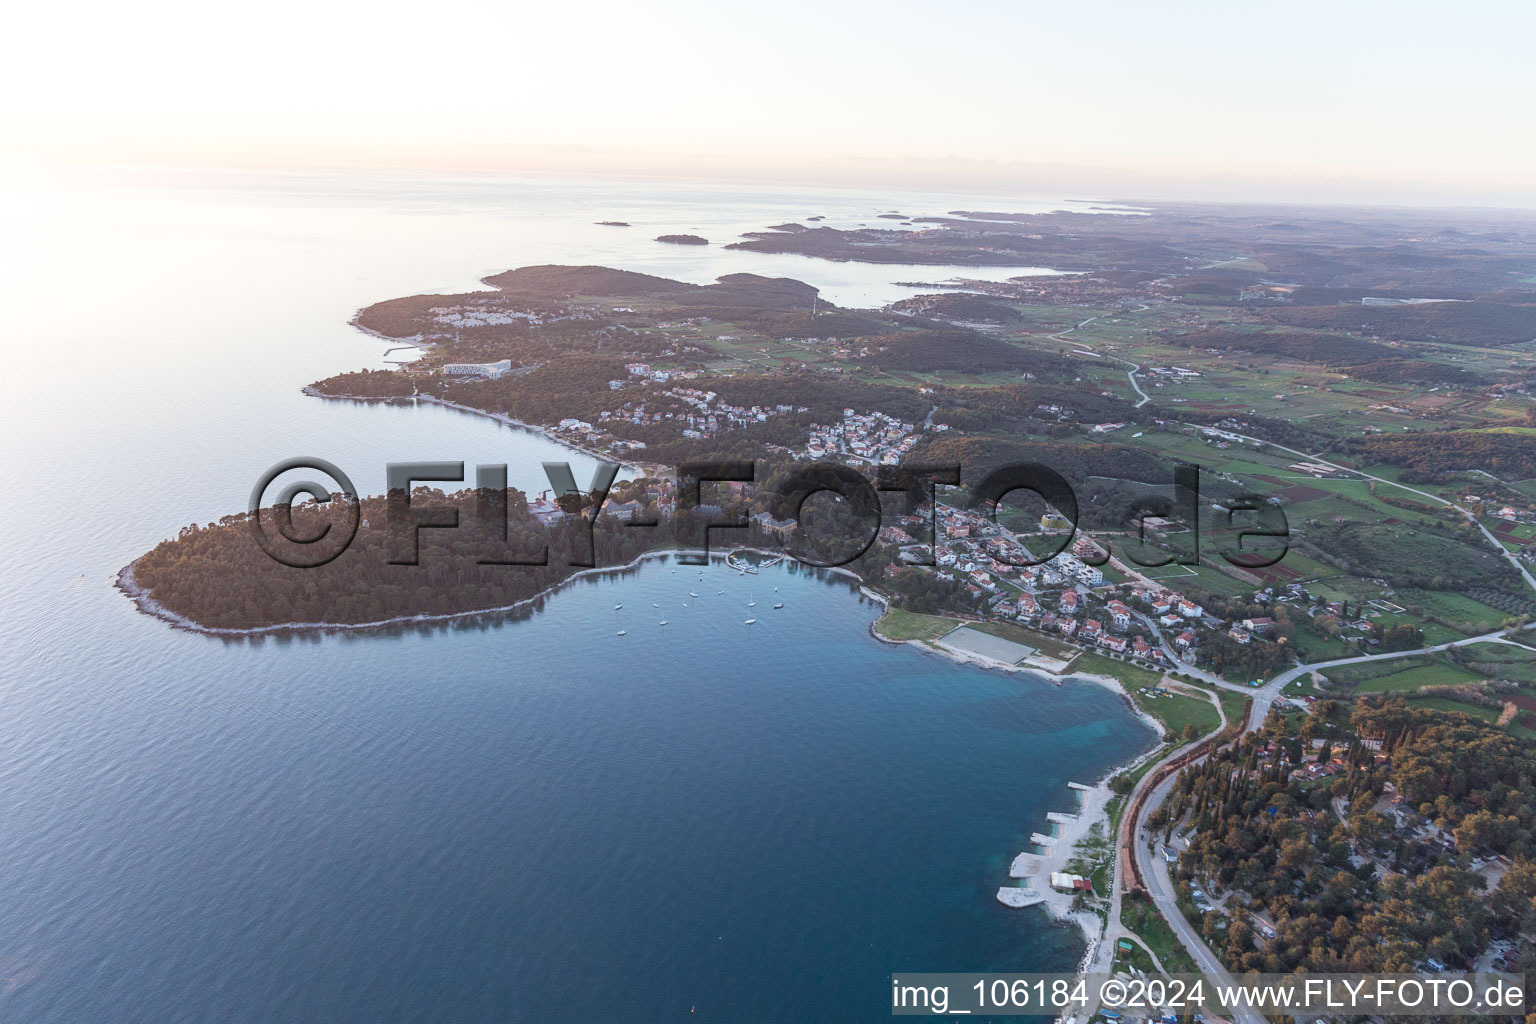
x=1197, y=894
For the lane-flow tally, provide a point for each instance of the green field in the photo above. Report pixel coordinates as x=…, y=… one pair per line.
x=1418, y=677
x=1471, y=617
x=1141, y=917
x=1173, y=710
x=904, y=625
x=1445, y=704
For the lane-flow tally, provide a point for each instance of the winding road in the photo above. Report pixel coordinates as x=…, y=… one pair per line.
x=1130, y=374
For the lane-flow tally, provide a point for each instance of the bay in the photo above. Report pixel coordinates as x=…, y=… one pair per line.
x=532, y=819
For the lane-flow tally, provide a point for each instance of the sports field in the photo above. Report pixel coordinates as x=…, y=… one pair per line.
x=974, y=641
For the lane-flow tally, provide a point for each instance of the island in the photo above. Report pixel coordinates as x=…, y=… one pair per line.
x=682, y=239
x=613, y=223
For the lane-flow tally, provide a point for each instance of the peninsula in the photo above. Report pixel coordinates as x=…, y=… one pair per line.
x=1372, y=376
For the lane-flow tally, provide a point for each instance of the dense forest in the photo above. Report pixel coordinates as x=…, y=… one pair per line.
x=1481, y=324
x=1361, y=893
x=1508, y=454
x=218, y=576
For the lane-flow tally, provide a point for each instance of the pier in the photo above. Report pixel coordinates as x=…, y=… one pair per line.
x=1014, y=896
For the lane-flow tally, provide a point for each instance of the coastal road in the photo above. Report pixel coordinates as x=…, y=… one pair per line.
x=1154, y=871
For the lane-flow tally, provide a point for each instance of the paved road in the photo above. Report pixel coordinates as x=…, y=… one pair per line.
x=1130, y=374
x=1154, y=870
x=1530, y=580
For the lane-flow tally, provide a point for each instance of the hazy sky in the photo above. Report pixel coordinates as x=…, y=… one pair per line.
x=1395, y=101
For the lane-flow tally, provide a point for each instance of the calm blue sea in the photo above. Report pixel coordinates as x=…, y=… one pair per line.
x=530, y=820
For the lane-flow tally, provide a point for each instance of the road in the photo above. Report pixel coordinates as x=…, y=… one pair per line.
x=1154, y=871
x=1130, y=374
x=1530, y=580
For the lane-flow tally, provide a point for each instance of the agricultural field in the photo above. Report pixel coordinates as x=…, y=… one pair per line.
x=1405, y=680
x=1401, y=675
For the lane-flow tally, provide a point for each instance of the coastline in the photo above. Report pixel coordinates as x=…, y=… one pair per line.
x=130, y=586
x=1033, y=870
x=126, y=582
x=1027, y=867
x=502, y=418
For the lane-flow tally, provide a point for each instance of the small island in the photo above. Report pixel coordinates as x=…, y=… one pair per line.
x=682, y=239
x=613, y=223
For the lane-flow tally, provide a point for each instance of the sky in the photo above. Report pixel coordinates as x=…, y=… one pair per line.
x=1341, y=101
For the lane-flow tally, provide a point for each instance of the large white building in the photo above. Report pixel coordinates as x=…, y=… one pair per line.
x=492, y=370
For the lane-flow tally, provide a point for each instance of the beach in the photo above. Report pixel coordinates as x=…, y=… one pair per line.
x=1033, y=870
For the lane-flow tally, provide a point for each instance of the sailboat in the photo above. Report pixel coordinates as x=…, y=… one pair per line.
x=617, y=607
x=663, y=622
x=655, y=605
x=749, y=622
x=779, y=605
x=752, y=603
x=692, y=594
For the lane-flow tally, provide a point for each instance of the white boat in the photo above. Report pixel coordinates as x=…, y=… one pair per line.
x=623, y=632
x=779, y=605
x=617, y=607
x=749, y=622
x=663, y=622
x=719, y=592
x=692, y=594
x=655, y=605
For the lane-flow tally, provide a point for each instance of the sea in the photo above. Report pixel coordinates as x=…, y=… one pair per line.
x=528, y=818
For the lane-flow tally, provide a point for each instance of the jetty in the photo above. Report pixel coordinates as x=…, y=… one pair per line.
x=1058, y=818
x=742, y=565
x=1041, y=839
x=1079, y=785
x=1016, y=896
